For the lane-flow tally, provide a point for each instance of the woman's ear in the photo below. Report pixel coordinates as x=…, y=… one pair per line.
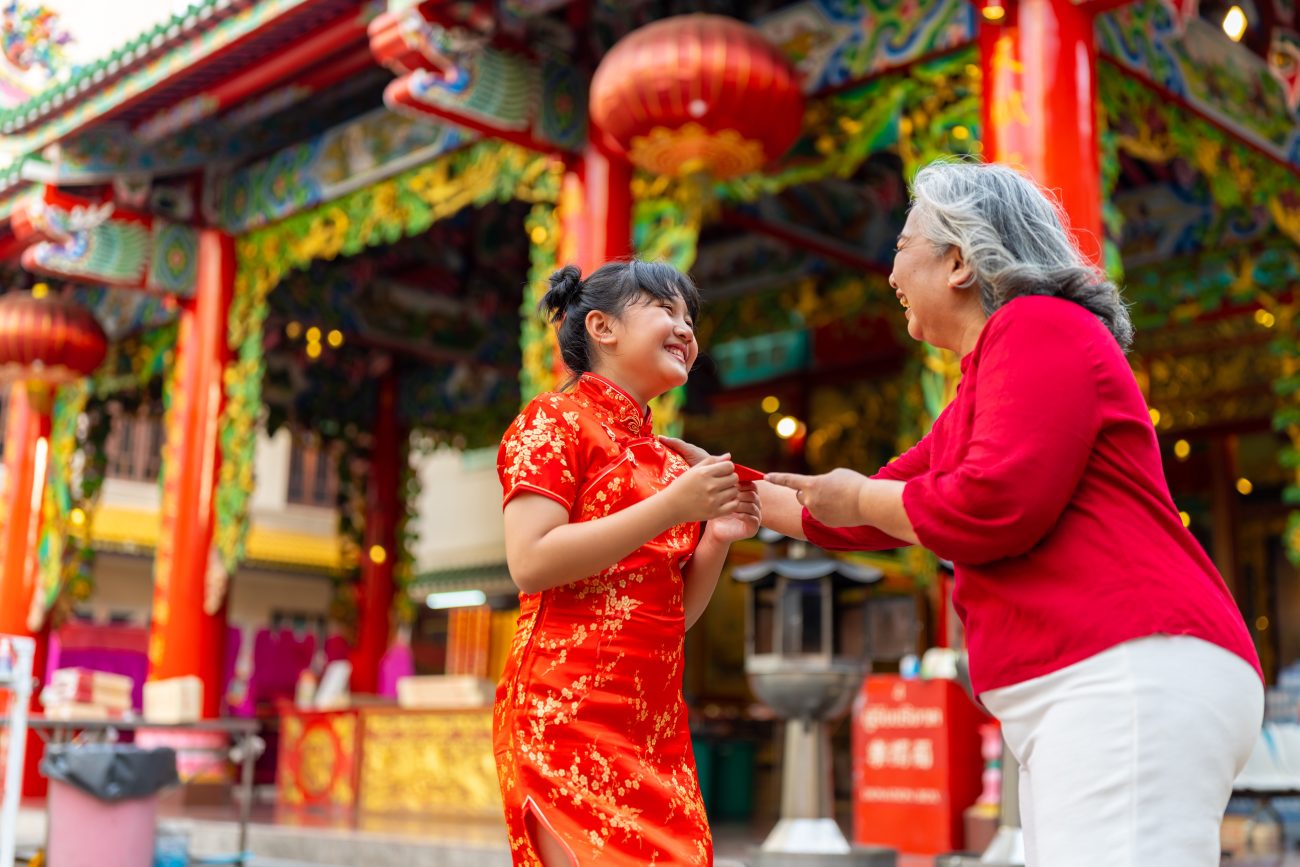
x=961, y=276
x=600, y=327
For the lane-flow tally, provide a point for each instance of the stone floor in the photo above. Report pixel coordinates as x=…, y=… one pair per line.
x=279, y=839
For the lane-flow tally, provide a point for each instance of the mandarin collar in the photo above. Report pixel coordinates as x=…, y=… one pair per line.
x=620, y=405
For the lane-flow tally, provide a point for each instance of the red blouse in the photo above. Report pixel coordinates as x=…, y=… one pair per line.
x=590, y=727
x=1042, y=482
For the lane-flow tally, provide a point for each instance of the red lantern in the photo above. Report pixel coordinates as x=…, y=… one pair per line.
x=697, y=93
x=47, y=339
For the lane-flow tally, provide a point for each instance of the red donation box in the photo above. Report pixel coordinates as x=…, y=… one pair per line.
x=916, y=763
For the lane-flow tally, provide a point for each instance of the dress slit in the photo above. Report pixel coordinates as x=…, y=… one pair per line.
x=535, y=817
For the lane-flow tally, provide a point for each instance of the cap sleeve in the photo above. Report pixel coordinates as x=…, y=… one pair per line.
x=539, y=452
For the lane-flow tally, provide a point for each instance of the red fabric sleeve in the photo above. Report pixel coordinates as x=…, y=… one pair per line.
x=1036, y=417
x=539, y=452
x=910, y=464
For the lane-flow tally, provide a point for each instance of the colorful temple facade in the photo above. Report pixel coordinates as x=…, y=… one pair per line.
x=335, y=218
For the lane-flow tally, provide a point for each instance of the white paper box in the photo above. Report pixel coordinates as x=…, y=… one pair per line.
x=174, y=700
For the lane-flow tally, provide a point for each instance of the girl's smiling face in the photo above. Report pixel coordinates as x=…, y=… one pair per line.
x=651, y=346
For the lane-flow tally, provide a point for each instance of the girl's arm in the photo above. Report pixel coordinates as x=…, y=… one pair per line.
x=780, y=510
x=701, y=575
x=544, y=550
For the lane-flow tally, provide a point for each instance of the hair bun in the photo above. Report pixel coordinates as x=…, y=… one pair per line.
x=566, y=288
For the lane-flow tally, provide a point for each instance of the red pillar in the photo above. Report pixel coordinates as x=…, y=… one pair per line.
x=188, y=627
x=596, y=215
x=27, y=440
x=383, y=502
x=1040, y=105
x=607, y=220
x=26, y=458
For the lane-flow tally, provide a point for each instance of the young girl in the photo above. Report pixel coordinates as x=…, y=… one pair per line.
x=603, y=538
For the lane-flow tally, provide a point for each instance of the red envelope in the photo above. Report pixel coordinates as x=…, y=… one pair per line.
x=748, y=475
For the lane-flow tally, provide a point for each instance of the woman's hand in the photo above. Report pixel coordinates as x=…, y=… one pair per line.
x=690, y=452
x=708, y=490
x=740, y=524
x=832, y=498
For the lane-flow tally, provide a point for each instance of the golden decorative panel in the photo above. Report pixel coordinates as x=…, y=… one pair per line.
x=428, y=762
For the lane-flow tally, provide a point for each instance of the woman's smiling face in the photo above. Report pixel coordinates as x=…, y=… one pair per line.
x=922, y=279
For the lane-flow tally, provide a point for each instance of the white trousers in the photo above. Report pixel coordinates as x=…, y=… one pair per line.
x=1127, y=758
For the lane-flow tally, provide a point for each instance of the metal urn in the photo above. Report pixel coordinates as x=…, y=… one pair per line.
x=806, y=653
x=1007, y=848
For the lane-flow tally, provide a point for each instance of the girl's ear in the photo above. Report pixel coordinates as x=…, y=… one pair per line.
x=600, y=328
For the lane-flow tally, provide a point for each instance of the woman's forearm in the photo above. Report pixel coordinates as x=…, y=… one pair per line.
x=701, y=576
x=571, y=552
x=880, y=502
x=781, y=511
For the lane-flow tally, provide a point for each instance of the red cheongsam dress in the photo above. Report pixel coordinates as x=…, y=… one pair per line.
x=590, y=728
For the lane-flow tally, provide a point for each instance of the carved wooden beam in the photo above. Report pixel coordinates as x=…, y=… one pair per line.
x=83, y=240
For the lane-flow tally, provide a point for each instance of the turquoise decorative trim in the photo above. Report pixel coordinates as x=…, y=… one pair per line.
x=563, y=107
x=346, y=158
x=1221, y=79
x=490, y=86
x=108, y=250
x=173, y=267
x=834, y=42
x=766, y=356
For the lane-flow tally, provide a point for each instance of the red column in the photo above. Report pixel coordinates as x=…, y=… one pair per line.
x=596, y=214
x=188, y=627
x=1040, y=105
x=574, y=237
x=607, y=224
x=27, y=439
x=383, y=501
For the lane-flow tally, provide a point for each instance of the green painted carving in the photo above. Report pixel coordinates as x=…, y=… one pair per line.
x=928, y=111
x=80, y=426
x=667, y=228
x=396, y=208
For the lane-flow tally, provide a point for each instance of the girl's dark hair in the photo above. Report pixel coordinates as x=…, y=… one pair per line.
x=609, y=289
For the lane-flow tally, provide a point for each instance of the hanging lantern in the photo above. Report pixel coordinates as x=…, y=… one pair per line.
x=47, y=339
x=697, y=93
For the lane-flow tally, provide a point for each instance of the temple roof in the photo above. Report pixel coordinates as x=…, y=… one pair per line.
x=136, y=52
x=179, y=58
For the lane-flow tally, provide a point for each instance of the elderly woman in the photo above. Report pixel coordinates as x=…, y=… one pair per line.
x=1099, y=633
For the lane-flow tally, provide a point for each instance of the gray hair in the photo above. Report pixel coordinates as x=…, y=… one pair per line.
x=1012, y=235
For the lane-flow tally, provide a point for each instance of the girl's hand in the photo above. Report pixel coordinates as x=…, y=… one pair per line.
x=740, y=524
x=692, y=454
x=708, y=490
x=832, y=498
